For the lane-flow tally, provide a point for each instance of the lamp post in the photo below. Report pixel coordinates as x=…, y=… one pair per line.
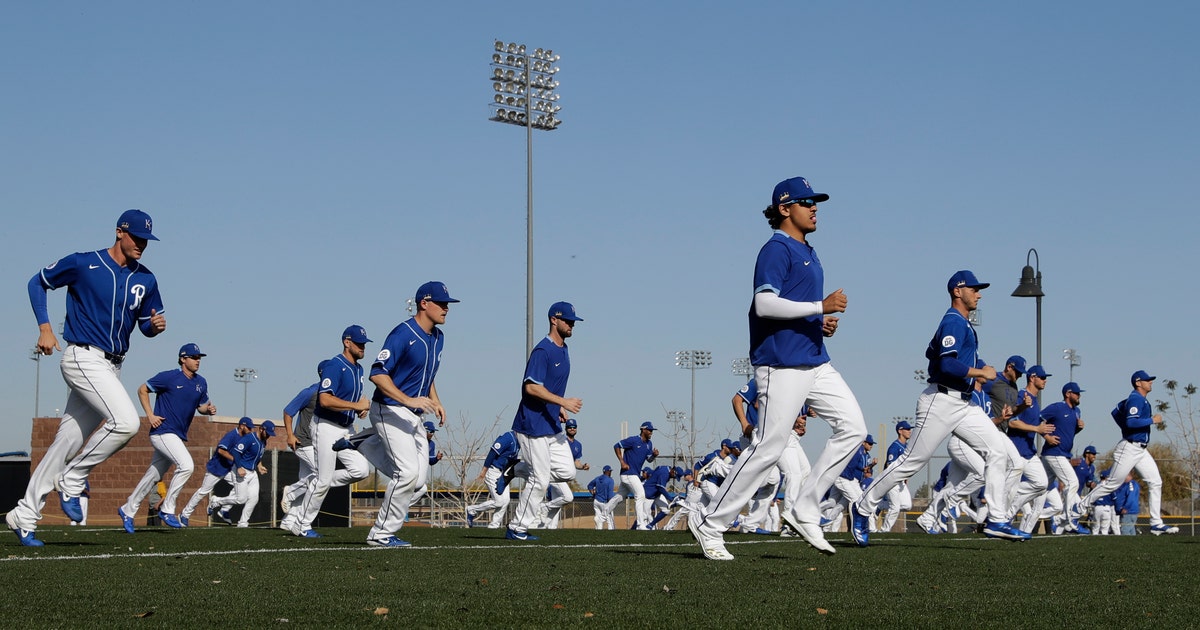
x=741, y=367
x=244, y=376
x=1072, y=358
x=693, y=360
x=36, y=357
x=524, y=87
x=1031, y=286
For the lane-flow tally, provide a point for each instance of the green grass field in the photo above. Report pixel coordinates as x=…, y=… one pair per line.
x=96, y=577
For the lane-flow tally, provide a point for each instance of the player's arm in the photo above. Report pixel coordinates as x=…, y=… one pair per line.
x=47, y=342
x=333, y=403
x=769, y=305
x=383, y=382
x=144, y=398
x=539, y=391
x=437, y=410
x=739, y=412
x=620, y=456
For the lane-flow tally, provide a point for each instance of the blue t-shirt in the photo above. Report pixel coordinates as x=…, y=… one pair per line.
x=409, y=357
x=248, y=451
x=1065, y=419
x=218, y=466
x=635, y=452
x=504, y=452
x=176, y=400
x=301, y=409
x=603, y=486
x=894, y=451
x=953, y=350
x=1127, y=497
x=1025, y=440
x=1085, y=473
x=857, y=464
x=791, y=270
x=656, y=482
x=710, y=477
x=1135, y=416
x=104, y=300
x=749, y=394
x=576, y=449
x=343, y=379
x=549, y=366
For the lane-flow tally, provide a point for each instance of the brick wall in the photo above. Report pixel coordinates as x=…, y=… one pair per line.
x=112, y=481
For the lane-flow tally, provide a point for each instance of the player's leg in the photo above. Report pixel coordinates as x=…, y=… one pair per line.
x=1031, y=491
x=206, y=488
x=306, y=470
x=1125, y=456
x=535, y=452
x=977, y=431
x=402, y=437
x=174, y=450
x=99, y=383
x=830, y=397
x=159, y=463
x=1147, y=468
x=934, y=421
x=250, y=495
x=324, y=434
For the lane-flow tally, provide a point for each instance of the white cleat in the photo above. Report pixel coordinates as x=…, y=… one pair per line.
x=811, y=532
x=712, y=546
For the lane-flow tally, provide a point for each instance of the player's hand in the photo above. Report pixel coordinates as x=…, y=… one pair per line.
x=1053, y=440
x=1157, y=419
x=989, y=372
x=47, y=343
x=157, y=322
x=572, y=405
x=834, y=303
x=439, y=456
x=624, y=467
x=1006, y=412
x=241, y=471
x=1026, y=398
x=656, y=452
x=293, y=442
x=829, y=325
x=154, y=420
x=747, y=429
x=209, y=409
x=587, y=467
x=1045, y=429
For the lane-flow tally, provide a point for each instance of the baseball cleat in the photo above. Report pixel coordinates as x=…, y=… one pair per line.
x=925, y=522
x=170, y=520
x=1080, y=529
x=308, y=533
x=470, y=519
x=285, y=504
x=390, y=541
x=70, y=507
x=126, y=521
x=810, y=532
x=243, y=524
x=1005, y=531
x=1161, y=529
x=183, y=520
x=26, y=536
x=342, y=444
x=224, y=516
x=712, y=546
x=513, y=534
x=860, y=526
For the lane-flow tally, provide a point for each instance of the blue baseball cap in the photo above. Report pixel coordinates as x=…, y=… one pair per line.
x=964, y=278
x=1018, y=363
x=356, y=333
x=321, y=366
x=571, y=424
x=1140, y=375
x=269, y=427
x=137, y=223
x=869, y=439
x=434, y=292
x=563, y=310
x=607, y=468
x=246, y=422
x=677, y=471
x=735, y=445
x=903, y=424
x=1106, y=472
x=430, y=427
x=727, y=443
x=1090, y=449
x=1071, y=387
x=1038, y=371
x=647, y=425
x=190, y=350
x=795, y=189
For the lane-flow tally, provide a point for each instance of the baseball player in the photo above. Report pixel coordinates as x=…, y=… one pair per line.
x=539, y=418
x=898, y=499
x=689, y=501
x=1067, y=421
x=602, y=490
x=403, y=375
x=745, y=409
x=501, y=458
x=339, y=401
x=654, y=487
x=789, y=319
x=1127, y=505
x=1085, y=470
x=1003, y=391
x=711, y=469
x=1023, y=429
x=179, y=395
x=109, y=292
x=247, y=460
x=1135, y=417
x=435, y=456
x=794, y=468
x=946, y=407
x=560, y=492
x=219, y=466
x=849, y=484
x=632, y=453
x=1104, y=513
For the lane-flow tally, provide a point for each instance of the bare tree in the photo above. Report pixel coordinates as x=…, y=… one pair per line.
x=1183, y=430
x=465, y=447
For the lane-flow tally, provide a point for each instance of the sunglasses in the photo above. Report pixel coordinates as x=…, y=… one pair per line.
x=805, y=203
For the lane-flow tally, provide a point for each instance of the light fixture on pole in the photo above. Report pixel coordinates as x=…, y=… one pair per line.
x=675, y=418
x=1072, y=357
x=693, y=360
x=244, y=376
x=36, y=357
x=1031, y=286
x=741, y=367
x=524, y=84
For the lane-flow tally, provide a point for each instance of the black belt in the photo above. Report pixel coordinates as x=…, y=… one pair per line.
x=115, y=359
x=954, y=392
x=1136, y=443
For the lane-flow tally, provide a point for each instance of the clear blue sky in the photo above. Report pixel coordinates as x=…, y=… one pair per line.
x=308, y=165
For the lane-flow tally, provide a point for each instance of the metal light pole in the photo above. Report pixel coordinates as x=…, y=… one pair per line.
x=524, y=84
x=244, y=376
x=1072, y=358
x=1031, y=286
x=675, y=418
x=741, y=367
x=36, y=357
x=693, y=360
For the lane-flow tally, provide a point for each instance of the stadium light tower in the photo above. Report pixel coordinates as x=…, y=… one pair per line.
x=1072, y=357
x=693, y=360
x=244, y=376
x=741, y=367
x=524, y=85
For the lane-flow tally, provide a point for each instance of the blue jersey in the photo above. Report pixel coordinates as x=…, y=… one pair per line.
x=894, y=451
x=749, y=393
x=942, y=478
x=1135, y=416
x=635, y=452
x=549, y=366
x=433, y=458
x=857, y=465
x=1025, y=440
x=704, y=462
x=248, y=451
x=504, y=452
x=409, y=357
x=344, y=379
x=176, y=400
x=218, y=466
x=791, y=270
x=602, y=487
x=656, y=482
x=1109, y=499
x=1126, y=497
x=953, y=351
x=301, y=410
x=104, y=299
x=1065, y=419
x=1085, y=473
x=576, y=449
